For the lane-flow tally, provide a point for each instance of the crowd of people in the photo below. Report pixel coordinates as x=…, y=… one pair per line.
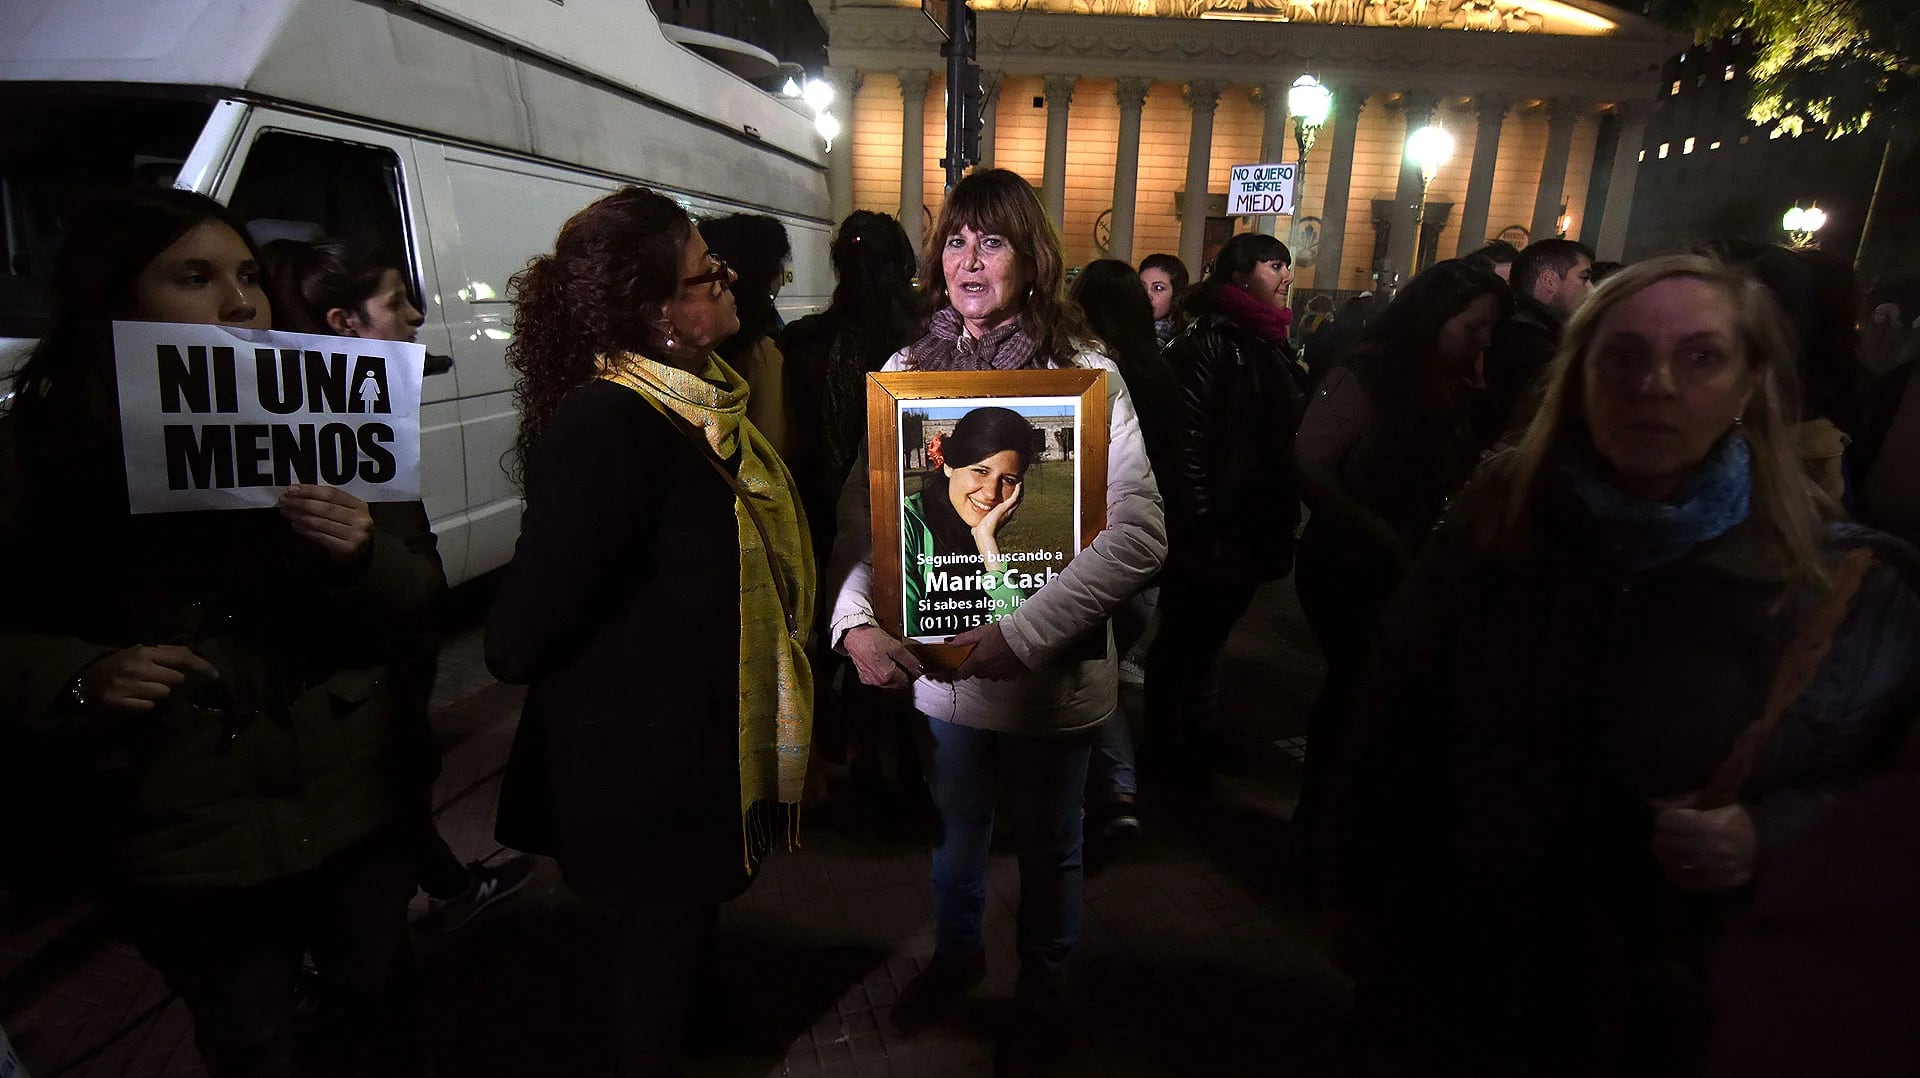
x=1615, y=656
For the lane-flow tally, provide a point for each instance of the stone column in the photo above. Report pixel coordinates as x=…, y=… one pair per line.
x=1632, y=118
x=913, y=150
x=1562, y=114
x=1273, y=146
x=1345, y=124
x=1492, y=109
x=1132, y=95
x=989, y=106
x=1203, y=97
x=845, y=85
x=1404, y=238
x=1053, y=174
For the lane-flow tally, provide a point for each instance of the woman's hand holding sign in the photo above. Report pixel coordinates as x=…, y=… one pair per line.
x=330, y=518
x=991, y=658
x=883, y=660
x=136, y=679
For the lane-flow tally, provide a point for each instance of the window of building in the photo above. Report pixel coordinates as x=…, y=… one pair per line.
x=1700, y=79
x=1687, y=146
x=1714, y=145
x=1775, y=133
x=1743, y=140
x=1664, y=147
x=1675, y=91
x=1728, y=75
x=1643, y=156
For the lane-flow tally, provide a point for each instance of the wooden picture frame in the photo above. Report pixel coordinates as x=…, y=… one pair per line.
x=1066, y=411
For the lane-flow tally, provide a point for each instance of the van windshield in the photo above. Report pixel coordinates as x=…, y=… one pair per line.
x=60, y=143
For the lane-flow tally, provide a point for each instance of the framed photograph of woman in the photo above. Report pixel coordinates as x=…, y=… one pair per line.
x=981, y=486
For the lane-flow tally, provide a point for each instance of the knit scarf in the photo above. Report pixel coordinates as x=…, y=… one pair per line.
x=948, y=346
x=776, y=684
x=1273, y=323
x=1714, y=498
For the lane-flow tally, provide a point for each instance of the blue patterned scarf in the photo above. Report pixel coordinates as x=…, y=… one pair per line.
x=1714, y=498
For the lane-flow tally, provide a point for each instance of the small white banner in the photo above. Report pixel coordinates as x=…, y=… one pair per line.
x=214, y=417
x=1261, y=190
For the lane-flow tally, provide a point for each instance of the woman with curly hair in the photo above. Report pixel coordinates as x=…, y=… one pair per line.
x=657, y=603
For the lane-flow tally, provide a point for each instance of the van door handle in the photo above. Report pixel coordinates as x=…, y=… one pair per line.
x=438, y=364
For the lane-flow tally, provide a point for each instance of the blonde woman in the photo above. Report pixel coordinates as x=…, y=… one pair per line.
x=1570, y=661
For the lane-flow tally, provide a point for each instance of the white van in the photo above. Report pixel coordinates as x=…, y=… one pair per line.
x=461, y=133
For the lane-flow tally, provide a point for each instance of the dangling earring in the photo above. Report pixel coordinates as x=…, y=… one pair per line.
x=666, y=340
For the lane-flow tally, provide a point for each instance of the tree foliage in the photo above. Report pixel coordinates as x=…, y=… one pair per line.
x=1840, y=66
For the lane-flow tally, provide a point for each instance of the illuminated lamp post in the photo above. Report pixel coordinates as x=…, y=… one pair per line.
x=1308, y=103
x=1429, y=148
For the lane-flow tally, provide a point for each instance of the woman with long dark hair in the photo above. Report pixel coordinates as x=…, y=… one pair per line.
x=350, y=290
x=874, y=314
x=1389, y=436
x=1022, y=708
x=657, y=604
x=1165, y=278
x=963, y=503
x=1117, y=305
x=1231, y=503
x=229, y=676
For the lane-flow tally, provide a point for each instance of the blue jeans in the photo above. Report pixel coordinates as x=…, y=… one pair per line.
x=1044, y=779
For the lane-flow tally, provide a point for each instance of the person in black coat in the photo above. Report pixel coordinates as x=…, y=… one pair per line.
x=1231, y=501
x=643, y=752
x=1550, y=280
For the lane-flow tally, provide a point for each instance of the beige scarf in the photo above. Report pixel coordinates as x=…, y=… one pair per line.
x=776, y=684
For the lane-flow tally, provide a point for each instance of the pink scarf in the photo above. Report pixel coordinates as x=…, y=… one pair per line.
x=948, y=347
x=1273, y=323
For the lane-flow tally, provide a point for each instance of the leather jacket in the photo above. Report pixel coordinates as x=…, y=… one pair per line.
x=1232, y=492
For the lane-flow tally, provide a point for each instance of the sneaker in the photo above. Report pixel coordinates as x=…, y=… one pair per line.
x=1116, y=817
x=491, y=884
x=937, y=990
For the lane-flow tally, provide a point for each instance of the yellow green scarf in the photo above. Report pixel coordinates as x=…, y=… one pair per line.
x=776, y=684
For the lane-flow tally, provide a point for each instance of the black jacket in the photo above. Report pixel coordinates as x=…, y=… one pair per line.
x=622, y=610
x=1523, y=348
x=309, y=743
x=1232, y=495
x=1517, y=721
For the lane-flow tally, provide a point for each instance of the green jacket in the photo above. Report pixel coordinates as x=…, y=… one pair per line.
x=917, y=538
x=310, y=742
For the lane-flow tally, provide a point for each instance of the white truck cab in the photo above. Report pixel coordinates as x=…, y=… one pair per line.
x=459, y=134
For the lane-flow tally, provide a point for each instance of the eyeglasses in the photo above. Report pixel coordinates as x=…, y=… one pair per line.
x=721, y=272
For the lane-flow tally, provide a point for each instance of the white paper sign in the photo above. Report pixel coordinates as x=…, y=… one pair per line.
x=214, y=417
x=1261, y=190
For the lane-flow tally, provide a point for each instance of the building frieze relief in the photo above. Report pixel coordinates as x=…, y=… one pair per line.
x=1607, y=68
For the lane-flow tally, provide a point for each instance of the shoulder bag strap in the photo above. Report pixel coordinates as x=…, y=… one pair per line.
x=1799, y=665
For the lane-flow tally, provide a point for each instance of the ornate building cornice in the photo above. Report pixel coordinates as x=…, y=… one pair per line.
x=1444, y=61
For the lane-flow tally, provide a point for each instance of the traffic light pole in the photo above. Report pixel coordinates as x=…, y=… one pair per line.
x=963, y=93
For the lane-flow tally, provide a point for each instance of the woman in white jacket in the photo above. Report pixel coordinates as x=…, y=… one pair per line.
x=1019, y=711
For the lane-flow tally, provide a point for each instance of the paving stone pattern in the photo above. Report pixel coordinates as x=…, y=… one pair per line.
x=1197, y=955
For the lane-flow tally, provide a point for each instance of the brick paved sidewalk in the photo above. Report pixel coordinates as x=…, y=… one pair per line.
x=1196, y=956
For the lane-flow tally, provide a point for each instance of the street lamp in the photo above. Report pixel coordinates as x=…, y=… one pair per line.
x=1800, y=225
x=1429, y=148
x=1307, y=103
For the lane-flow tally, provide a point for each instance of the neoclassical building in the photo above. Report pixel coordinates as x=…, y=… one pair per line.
x=1128, y=114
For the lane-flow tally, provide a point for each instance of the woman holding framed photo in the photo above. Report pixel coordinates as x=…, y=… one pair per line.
x=1023, y=706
